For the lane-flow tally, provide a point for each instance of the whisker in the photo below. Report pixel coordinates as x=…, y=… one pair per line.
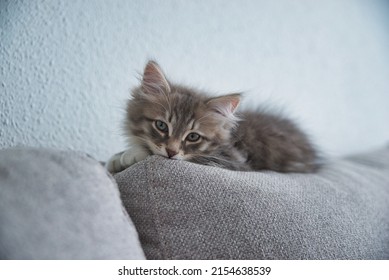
x=140, y=138
x=206, y=115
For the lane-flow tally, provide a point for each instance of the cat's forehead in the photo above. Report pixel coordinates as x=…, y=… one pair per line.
x=182, y=105
x=184, y=109
x=182, y=116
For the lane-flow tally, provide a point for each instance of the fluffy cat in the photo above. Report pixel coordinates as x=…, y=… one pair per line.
x=181, y=123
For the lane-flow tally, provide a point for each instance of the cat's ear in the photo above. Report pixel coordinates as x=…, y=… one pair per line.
x=225, y=105
x=153, y=80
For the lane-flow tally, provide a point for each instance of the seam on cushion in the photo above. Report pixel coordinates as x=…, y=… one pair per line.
x=123, y=208
x=151, y=174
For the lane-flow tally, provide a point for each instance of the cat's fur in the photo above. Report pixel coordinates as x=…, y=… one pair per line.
x=164, y=118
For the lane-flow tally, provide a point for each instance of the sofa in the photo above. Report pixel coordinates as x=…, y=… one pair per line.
x=65, y=205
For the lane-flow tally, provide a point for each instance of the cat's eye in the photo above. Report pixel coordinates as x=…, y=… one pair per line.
x=161, y=126
x=193, y=137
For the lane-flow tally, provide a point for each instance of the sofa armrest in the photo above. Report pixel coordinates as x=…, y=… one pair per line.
x=61, y=205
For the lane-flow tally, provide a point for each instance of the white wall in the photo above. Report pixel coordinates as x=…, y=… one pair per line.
x=67, y=66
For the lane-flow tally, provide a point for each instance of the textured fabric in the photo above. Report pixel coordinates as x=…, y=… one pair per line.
x=187, y=211
x=61, y=205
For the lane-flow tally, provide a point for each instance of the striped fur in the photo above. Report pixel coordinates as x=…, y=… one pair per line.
x=163, y=117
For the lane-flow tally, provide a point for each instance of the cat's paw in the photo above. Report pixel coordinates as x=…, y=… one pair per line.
x=125, y=159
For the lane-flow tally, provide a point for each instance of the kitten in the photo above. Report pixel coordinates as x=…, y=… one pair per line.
x=185, y=124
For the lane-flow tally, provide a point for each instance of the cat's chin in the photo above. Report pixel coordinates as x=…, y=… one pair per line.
x=176, y=157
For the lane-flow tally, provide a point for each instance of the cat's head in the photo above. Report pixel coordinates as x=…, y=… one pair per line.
x=176, y=121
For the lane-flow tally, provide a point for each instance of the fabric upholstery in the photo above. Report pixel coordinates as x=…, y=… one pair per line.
x=188, y=211
x=61, y=205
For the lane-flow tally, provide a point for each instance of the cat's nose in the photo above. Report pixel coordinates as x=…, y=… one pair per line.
x=171, y=153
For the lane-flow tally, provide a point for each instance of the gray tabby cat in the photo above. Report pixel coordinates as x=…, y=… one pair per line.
x=185, y=124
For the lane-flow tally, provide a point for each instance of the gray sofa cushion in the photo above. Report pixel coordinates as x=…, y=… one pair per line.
x=187, y=211
x=61, y=205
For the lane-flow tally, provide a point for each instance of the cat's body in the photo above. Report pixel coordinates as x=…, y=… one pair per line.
x=182, y=123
